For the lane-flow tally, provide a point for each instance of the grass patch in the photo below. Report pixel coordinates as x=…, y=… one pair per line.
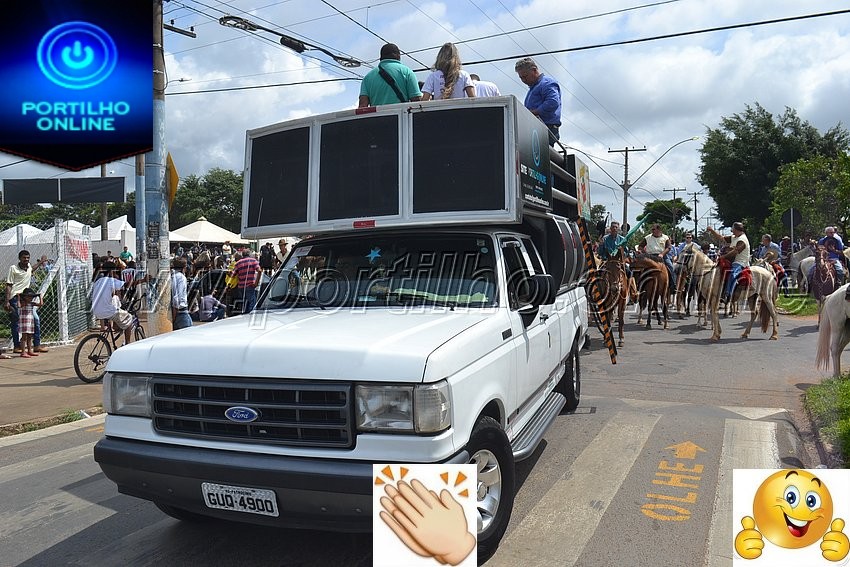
x=797, y=305
x=829, y=404
x=67, y=416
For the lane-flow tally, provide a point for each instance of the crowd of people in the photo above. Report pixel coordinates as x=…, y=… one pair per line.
x=393, y=82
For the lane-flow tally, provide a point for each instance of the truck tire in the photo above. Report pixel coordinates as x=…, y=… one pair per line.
x=570, y=384
x=181, y=514
x=491, y=452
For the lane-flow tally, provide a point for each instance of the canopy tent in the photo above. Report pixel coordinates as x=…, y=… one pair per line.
x=203, y=230
x=10, y=235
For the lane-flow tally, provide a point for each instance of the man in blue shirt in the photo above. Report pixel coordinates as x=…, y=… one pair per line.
x=544, y=95
x=391, y=82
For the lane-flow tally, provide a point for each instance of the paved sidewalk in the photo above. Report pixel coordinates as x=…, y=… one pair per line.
x=47, y=386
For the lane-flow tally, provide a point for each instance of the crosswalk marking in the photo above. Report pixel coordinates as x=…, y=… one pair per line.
x=746, y=445
x=754, y=413
x=588, y=487
x=46, y=462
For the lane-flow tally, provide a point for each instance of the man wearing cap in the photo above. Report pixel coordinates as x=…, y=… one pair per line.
x=18, y=279
x=544, y=96
x=739, y=254
x=391, y=82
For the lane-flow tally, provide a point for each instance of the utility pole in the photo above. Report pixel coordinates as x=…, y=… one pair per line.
x=626, y=185
x=104, y=212
x=674, y=190
x=156, y=200
x=696, y=216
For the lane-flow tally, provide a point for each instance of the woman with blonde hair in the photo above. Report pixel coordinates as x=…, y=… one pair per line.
x=448, y=80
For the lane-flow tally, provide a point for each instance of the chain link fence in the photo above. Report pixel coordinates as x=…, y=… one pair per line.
x=63, y=280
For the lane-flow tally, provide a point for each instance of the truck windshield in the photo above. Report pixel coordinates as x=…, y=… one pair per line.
x=439, y=270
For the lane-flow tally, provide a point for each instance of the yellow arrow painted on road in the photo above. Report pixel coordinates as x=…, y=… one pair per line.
x=686, y=450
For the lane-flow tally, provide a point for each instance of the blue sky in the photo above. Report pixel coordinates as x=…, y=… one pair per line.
x=650, y=94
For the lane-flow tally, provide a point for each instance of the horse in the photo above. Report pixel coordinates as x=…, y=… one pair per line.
x=824, y=279
x=834, y=332
x=803, y=283
x=763, y=287
x=616, y=290
x=698, y=268
x=651, y=277
x=776, y=269
x=796, y=258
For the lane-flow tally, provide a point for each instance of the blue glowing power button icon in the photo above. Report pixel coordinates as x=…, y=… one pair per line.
x=77, y=55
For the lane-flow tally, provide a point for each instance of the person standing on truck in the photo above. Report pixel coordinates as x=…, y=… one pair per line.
x=248, y=272
x=484, y=88
x=544, y=96
x=390, y=82
x=448, y=79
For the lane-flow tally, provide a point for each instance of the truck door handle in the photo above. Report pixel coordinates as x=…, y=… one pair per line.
x=544, y=316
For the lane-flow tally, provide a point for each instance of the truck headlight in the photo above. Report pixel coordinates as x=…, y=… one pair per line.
x=127, y=394
x=423, y=408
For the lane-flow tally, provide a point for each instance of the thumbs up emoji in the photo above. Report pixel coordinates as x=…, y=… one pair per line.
x=748, y=542
x=835, y=544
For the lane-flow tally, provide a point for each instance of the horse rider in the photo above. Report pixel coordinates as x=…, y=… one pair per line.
x=834, y=247
x=739, y=254
x=659, y=244
x=771, y=253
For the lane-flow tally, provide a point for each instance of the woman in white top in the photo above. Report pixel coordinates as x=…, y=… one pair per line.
x=448, y=80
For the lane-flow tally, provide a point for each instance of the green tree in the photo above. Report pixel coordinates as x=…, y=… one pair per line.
x=819, y=188
x=668, y=212
x=598, y=213
x=741, y=159
x=216, y=196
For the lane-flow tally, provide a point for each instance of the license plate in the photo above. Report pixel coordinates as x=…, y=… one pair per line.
x=240, y=499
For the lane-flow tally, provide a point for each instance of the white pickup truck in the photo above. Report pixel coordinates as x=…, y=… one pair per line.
x=420, y=342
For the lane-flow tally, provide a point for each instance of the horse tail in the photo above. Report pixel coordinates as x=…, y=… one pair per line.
x=824, y=336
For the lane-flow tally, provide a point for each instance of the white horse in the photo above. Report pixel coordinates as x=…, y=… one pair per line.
x=806, y=265
x=763, y=287
x=700, y=267
x=794, y=263
x=834, y=332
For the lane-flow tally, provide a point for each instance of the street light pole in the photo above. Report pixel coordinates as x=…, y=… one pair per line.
x=626, y=184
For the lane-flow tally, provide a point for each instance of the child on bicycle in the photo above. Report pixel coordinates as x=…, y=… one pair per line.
x=26, y=319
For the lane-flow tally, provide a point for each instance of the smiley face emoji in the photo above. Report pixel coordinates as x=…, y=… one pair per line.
x=792, y=509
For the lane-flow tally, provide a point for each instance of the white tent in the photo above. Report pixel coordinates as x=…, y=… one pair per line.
x=203, y=230
x=10, y=235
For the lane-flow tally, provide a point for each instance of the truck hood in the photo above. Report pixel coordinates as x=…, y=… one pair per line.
x=368, y=345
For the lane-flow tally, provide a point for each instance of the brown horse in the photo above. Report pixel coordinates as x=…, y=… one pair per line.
x=616, y=290
x=651, y=277
x=824, y=279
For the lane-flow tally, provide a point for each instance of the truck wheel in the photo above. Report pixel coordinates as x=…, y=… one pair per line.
x=181, y=514
x=492, y=455
x=570, y=384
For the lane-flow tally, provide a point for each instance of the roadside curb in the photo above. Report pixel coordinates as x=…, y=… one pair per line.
x=828, y=454
x=93, y=421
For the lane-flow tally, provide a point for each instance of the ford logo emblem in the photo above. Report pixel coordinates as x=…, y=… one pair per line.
x=241, y=414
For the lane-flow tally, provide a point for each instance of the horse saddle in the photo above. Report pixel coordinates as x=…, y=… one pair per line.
x=745, y=278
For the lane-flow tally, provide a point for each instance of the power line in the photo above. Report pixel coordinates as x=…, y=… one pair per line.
x=569, y=49
x=666, y=36
x=340, y=12
x=251, y=87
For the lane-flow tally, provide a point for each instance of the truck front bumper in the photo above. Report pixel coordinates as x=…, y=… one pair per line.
x=320, y=494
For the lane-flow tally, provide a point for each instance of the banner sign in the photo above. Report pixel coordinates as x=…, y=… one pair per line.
x=534, y=172
x=78, y=80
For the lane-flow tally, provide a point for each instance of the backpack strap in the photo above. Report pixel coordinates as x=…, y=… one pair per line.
x=391, y=82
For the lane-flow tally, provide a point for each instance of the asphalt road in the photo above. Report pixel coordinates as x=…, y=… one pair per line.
x=639, y=475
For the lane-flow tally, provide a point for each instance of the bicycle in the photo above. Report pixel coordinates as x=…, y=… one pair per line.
x=91, y=367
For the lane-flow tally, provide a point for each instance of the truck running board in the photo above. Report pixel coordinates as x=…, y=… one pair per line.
x=528, y=439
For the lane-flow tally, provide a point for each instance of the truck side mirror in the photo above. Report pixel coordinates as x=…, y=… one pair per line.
x=543, y=290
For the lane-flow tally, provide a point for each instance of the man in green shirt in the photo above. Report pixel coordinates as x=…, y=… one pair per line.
x=125, y=255
x=396, y=84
